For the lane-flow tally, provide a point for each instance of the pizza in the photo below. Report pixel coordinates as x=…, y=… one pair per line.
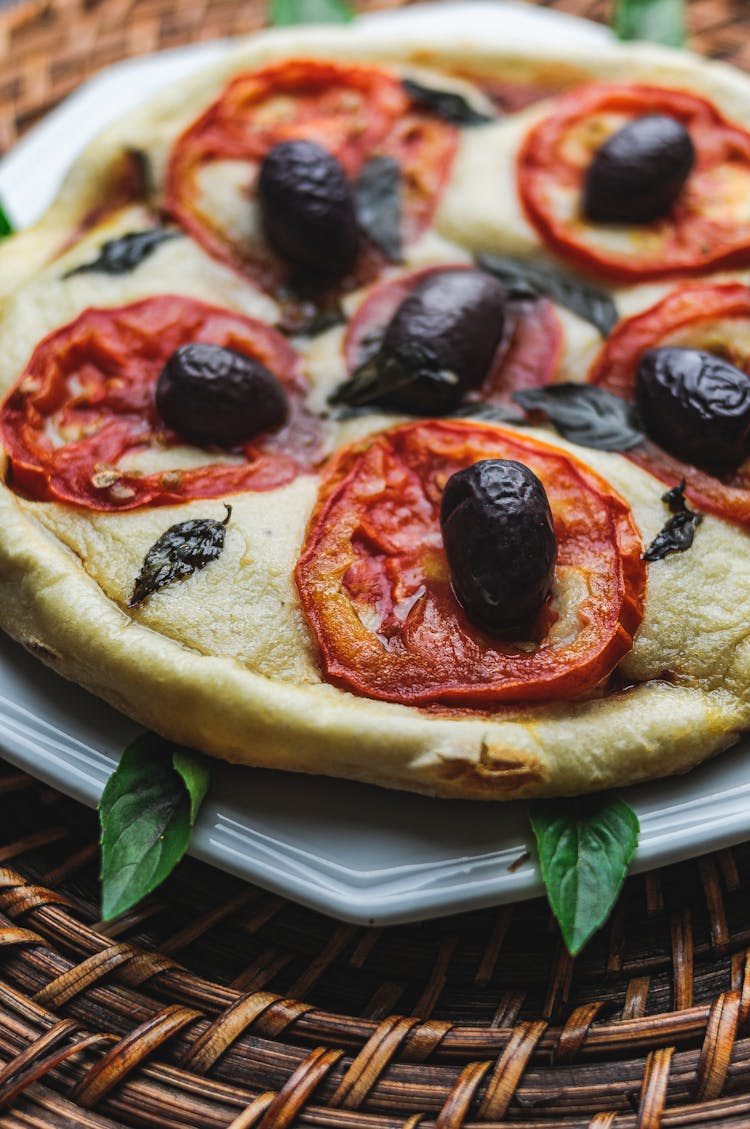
x=381, y=409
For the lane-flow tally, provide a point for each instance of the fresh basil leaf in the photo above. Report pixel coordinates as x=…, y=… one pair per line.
x=585, y=414
x=182, y=550
x=492, y=413
x=445, y=104
x=529, y=280
x=678, y=531
x=377, y=200
x=659, y=21
x=585, y=847
x=284, y=13
x=121, y=255
x=400, y=378
x=146, y=813
x=6, y=227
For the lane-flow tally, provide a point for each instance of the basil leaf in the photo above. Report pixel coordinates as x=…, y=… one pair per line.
x=585, y=847
x=184, y=549
x=146, y=813
x=284, y=13
x=529, y=280
x=678, y=531
x=660, y=21
x=445, y=104
x=6, y=227
x=585, y=414
x=377, y=201
x=121, y=255
x=399, y=378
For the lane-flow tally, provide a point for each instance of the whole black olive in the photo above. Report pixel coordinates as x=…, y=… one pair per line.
x=307, y=209
x=500, y=542
x=638, y=173
x=696, y=406
x=209, y=394
x=451, y=324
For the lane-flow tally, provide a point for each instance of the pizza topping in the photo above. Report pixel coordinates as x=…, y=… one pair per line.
x=210, y=394
x=183, y=549
x=585, y=414
x=678, y=531
x=81, y=425
x=499, y=542
x=377, y=197
x=121, y=255
x=696, y=406
x=638, y=173
x=446, y=104
x=708, y=223
x=523, y=279
x=439, y=342
x=307, y=208
x=376, y=587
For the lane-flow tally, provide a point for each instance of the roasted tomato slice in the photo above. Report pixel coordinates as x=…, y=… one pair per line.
x=708, y=226
x=355, y=112
x=528, y=354
x=84, y=407
x=715, y=318
x=375, y=588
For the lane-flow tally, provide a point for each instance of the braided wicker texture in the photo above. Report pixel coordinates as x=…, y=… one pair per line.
x=218, y=1006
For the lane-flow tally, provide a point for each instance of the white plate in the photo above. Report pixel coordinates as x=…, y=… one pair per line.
x=362, y=854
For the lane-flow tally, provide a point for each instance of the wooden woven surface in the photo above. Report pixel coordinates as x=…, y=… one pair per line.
x=218, y=1006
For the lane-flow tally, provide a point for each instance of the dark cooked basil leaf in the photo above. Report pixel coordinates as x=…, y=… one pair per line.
x=146, y=813
x=492, y=413
x=446, y=104
x=6, y=227
x=283, y=13
x=184, y=549
x=678, y=531
x=585, y=414
x=388, y=372
x=377, y=199
x=524, y=280
x=118, y=256
x=585, y=846
x=659, y=21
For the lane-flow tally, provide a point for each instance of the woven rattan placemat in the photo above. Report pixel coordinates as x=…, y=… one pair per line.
x=218, y=1006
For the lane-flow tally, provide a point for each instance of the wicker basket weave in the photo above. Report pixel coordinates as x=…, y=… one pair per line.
x=218, y=1006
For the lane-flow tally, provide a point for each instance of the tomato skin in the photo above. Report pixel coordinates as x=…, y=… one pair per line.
x=682, y=317
x=376, y=592
x=91, y=385
x=697, y=235
x=528, y=355
x=240, y=125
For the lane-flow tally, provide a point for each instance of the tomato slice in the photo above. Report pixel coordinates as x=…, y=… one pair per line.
x=376, y=591
x=712, y=317
x=355, y=112
x=86, y=400
x=528, y=354
x=709, y=224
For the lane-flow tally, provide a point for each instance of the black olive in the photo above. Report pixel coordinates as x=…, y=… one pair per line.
x=639, y=172
x=500, y=542
x=209, y=394
x=450, y=323
x=307, y=209
x=696, y=406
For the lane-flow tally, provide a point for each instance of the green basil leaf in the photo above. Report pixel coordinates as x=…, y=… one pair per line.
x=659, y=21
x=445, y=104
x=146, y=814
x=284, y=13
x=377, y=200
x=181, y=550
x=585, y=414
x=124, y=254
x=530, y=280
x=585, y=847
x=6, y=227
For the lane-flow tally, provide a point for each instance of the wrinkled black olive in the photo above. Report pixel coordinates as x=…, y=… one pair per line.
x=696, y=406
x=639, y=172
x=307, y=209
x=500, y=542
x=455, y=317
x=209, y=394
